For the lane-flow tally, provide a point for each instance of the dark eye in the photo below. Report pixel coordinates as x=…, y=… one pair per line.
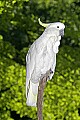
x=57, y=26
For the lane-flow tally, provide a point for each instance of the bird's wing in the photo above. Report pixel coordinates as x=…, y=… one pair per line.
x=30, y=63
x=33, y=72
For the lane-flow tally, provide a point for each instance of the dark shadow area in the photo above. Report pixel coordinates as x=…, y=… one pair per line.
x=64, y=119
x=79, y=111
x=16, y=116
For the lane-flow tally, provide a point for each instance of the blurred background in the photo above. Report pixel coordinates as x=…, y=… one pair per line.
x=19, y=28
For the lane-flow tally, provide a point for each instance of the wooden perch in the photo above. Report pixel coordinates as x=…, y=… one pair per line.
x=40, y=95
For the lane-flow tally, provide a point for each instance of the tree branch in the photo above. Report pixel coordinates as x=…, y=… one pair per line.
x=40, y=95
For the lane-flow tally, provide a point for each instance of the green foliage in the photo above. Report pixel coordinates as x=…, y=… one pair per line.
x=7, y=50
x=19, y=28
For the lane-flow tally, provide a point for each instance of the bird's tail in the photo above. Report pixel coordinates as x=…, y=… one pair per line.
x=32, y=91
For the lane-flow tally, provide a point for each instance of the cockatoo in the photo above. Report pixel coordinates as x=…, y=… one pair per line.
x=41, y=58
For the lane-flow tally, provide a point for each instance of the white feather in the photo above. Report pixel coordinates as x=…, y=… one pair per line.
x=32, y=94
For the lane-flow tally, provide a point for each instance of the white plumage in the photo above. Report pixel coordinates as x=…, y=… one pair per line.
x=41, y=57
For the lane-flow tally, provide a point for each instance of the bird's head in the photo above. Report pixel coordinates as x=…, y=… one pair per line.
x=57, y=25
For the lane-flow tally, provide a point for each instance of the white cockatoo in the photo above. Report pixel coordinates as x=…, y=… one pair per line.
x=41, y=58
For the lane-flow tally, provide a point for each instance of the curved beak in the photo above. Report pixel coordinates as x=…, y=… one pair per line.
x=61, y=32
